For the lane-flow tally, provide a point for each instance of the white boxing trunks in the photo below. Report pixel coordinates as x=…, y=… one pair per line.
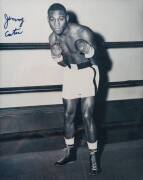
x=80, y=83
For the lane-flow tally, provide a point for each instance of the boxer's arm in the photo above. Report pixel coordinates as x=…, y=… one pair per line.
x=86, y=44
x=87, y=35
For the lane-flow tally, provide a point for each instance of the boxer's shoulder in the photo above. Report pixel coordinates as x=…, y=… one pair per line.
x=52, y=38
x=73, y=28
x=80, y=30
x=85, y=31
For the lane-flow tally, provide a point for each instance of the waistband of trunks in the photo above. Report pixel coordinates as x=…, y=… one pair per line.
x=81, y=65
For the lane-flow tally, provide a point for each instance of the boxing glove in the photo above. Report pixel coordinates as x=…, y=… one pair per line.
x=85, y=48
x=56, y=52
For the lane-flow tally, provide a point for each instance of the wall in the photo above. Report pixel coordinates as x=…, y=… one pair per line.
x=115, y=20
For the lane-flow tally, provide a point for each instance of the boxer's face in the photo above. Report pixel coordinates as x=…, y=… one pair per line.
x=58, y=21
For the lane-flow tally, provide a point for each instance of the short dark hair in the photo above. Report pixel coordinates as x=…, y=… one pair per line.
x=57, y=6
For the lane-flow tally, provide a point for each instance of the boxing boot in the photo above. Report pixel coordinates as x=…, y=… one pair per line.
x=69, y=156
x=93, y=164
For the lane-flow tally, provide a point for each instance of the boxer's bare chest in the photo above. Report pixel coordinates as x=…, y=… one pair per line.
x=70, y=53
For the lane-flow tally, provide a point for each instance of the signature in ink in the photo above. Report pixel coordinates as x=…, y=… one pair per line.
x=15, y=30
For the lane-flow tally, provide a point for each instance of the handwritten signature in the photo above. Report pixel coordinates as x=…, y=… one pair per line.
x=15, y=30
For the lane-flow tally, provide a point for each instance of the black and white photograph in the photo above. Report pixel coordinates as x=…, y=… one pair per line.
x=71, y=89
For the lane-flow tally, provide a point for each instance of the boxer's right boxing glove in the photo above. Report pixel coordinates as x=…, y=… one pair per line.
x=56, y=52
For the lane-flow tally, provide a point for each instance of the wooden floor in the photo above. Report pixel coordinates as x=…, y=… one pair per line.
x=120, y=161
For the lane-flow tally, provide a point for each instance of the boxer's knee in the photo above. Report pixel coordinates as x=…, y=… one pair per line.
x=88, y=118
x=69, y=114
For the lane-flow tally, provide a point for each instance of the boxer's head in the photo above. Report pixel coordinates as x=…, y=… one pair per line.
x=58, y=18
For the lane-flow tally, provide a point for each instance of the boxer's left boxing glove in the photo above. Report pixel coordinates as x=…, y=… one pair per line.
x=85, y=48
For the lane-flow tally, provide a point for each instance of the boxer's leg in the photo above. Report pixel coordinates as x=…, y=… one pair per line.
x=70, y=106
x=87, y=107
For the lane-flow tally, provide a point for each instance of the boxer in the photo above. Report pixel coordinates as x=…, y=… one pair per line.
x=73, y=47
